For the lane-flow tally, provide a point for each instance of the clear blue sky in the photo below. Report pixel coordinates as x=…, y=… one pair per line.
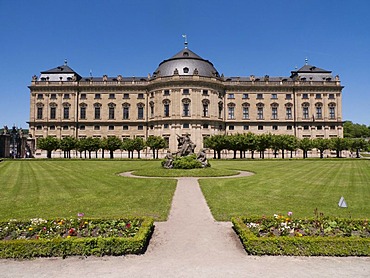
x=132, y=37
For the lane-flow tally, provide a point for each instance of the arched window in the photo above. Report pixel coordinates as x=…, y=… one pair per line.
x=151, y=105
x=126, y=111
x=111, y=107
x=166, y=108
x=205, y=104
x=140, y=111
x=220, y=109
x=186, y=107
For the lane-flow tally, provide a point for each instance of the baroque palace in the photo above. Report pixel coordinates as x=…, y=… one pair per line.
x=185, y=94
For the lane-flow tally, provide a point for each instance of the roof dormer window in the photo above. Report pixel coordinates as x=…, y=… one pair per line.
x=185, y=54
x=186, y=70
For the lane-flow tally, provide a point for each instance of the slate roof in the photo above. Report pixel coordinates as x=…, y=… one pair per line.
x=60, y=69
x=310, y=69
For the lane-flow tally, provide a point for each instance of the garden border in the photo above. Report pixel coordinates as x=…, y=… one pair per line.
x=299, y=246
x=63, y=247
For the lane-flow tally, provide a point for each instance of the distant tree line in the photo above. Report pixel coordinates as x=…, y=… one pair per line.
x=252, y=143
x=352, y=130
x=91, y=145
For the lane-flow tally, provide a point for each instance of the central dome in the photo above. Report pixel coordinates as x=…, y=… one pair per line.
x=186, y=62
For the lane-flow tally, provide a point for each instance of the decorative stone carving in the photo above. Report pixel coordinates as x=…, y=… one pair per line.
x=185, y=145
x=201, y=157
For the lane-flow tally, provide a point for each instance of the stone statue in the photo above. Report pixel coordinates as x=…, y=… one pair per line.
x=169, y=160
x=6, y=130
x=185, y=145
x=201, y=157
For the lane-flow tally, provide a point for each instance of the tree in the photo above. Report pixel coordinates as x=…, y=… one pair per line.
x=139, y=145
x=155, y=143
x=276, y=144
x=338, y=145
x=113, y=143
x=352, y=130
x=357, y=145
x=263, y=143
x=322, y=145
x=305, y=145
x=233, y=143
x=291, y=144
x=67, y=144
x=128, y=145
x=251, y=143
x=49, y=144
x=217, y=143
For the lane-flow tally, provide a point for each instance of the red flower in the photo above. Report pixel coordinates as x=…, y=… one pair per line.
x=128, y=225
x=72, y=231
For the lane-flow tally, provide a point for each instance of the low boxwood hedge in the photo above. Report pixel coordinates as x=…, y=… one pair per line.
x=299, y=246
x=61, y=246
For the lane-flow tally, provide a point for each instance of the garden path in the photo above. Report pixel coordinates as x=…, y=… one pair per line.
x=190, y=244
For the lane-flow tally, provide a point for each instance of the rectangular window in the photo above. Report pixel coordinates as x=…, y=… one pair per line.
x=220, y=108
x=111, y=127
x=53, y=96
x=205, y=92
x=39, y=127
x=231, y=112
x=52, y=127
x=332, y=112
x=165, y=125
x=140, y=127
x=318, y=96
x=246, y=127
x=126, y=96
x=274, y=113
x=96, y=127
x=185, y=91
x=66, y=96
x=274, y=96
x=140, y=96
x=332, y=127
x=274, y=127
x=40, y=96
x=126, y=113
x=166, y=92
x=65, y=127
x=52, y=113
x=152, y=111
x=112, y=96
x=97, y=113
x=205, y=110
x=83, y=96
x=289, y=127
x=205, y=126
x=82, y=127
x=245, y=113
x=65, y=112
x=259, y=96
x=305, y=113
x=318, y=112
x=331, y=96
x=125, y=127
x=83, y=112
x=140, y=113
x=231, y=127
x=289, y=113
x=319, y=127
x=186, y=111
x=185, y=125
x=304, y=96
x=260, y=127
x=288, y=96
x=260, y=113
x=166, y=110
x=97, y=96
x=231, y=95
x=245, y=96
x=111, y=113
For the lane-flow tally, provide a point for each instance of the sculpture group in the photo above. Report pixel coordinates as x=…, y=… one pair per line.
x=185, y=148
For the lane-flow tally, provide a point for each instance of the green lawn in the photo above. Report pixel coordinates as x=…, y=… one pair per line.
x=62, y=188
x=300, y=186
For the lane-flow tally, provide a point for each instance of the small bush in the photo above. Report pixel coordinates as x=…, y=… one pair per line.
x=187, y=162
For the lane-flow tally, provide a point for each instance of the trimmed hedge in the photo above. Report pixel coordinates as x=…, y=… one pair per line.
x=63, y=247
x=300, y=246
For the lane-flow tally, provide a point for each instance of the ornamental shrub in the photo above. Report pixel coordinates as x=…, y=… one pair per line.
x=186, y=162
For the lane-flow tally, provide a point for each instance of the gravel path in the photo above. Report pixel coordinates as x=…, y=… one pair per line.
x=190, y=244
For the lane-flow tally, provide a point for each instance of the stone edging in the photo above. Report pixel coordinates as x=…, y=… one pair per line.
x=241, y=174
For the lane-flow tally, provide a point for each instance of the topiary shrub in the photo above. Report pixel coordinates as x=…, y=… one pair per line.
x=186, y=162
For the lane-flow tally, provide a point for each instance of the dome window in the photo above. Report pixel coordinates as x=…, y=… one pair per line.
x=186, y=70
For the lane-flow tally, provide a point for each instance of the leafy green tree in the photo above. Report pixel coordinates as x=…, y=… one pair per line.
x=276, y=144
x=81, y=146
x=67, y=144
x=128, y=145
x=113, y=143
x=233, y=143
x=305, y=145
x=139, y=145
x=263, y=143
x=250, y=140
x=357, y=145
x=48, y=144
x=338, y=145
x=155, y=143
x=290, y=144
x=216, y=143
x=321, y=144
x=351, y=130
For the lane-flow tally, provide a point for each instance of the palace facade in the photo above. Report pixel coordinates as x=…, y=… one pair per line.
x=185, y=94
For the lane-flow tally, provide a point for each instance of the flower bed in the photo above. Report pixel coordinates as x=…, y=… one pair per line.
x=322, y=236
x=65, y=237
